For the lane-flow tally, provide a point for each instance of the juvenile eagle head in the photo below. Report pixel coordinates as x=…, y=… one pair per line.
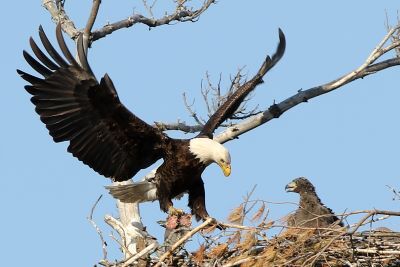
x=209, y=151
x=300, y=185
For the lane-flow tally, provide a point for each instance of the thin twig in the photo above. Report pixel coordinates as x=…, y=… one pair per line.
x=182, y=240
x=302, y=96
x=372, y=213
x=142, y=253
x=315, y=258
x=180, y=15
x=374, y=55
x=149, y=8
x=98, y=230
x=189, y=109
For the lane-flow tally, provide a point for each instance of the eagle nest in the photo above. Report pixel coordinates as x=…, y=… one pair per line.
x=239, y=245
x=311, y=236
x=299, y=247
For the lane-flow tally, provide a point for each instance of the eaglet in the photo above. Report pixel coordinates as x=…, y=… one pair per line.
x=311, y=212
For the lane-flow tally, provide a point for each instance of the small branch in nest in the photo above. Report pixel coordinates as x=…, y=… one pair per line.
x=370, y=214
x=316, y=256
x=182, y=240
x=142, y=253
x=241, y=261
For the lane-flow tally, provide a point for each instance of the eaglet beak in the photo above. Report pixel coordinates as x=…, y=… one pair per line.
x=226, y=168
x=290, y=187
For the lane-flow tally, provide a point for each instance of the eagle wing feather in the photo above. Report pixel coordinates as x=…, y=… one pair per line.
x=75, y=107
x=227, y=109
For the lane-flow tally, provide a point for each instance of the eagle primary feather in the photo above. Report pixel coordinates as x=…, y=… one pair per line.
x=77, y=108
x=105, y=135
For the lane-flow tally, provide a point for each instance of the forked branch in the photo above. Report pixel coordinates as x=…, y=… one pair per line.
x=274, y=111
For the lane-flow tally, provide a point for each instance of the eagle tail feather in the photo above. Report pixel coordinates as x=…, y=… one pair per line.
x=135, y=192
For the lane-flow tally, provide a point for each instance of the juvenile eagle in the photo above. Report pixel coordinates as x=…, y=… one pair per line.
x=311, y=212
x=105, y=135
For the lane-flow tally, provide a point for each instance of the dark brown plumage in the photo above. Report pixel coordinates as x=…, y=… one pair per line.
x=105, y=135
x=311, y=212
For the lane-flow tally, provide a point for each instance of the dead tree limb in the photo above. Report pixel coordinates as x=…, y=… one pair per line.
x=274, y=111
x=181, y=14
x=58, y=14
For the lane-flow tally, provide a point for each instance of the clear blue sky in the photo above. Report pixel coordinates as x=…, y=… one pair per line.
x=346, y=142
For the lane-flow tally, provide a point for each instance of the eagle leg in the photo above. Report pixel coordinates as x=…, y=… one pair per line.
x=217, y=224
x=174, y=211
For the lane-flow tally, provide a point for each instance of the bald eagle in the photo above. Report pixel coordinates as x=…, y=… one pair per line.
x=105, y=135
x=311, y=212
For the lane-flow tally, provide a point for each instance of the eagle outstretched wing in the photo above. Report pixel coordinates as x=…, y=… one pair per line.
x=75, y=107
x=227, y=109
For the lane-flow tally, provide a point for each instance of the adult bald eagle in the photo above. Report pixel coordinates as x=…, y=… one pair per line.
x=105, y=135
x=311, y=212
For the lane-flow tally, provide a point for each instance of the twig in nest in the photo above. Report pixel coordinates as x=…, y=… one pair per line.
x=142, y=253
x=370, y=214
x=182, y=240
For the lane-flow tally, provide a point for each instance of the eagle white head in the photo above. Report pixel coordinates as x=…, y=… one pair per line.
x=209, y=151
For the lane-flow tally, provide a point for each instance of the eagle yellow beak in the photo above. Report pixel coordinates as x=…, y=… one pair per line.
x=226, y=168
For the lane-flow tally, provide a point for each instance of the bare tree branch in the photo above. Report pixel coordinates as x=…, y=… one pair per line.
x=396, y=36
x=370, y=214
x=192, y=113
x=98, y=230
x=274, y=111
x=58, y=15
x=179, y=126
x=149, y=8
x=181, y=14
x=142, y=253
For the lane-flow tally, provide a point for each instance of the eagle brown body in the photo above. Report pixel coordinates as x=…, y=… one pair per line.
x=105, y=135
x=312, y=213
x=172, y=181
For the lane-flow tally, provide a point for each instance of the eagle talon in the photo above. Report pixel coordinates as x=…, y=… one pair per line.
x=216, y=223
x=174, y=211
